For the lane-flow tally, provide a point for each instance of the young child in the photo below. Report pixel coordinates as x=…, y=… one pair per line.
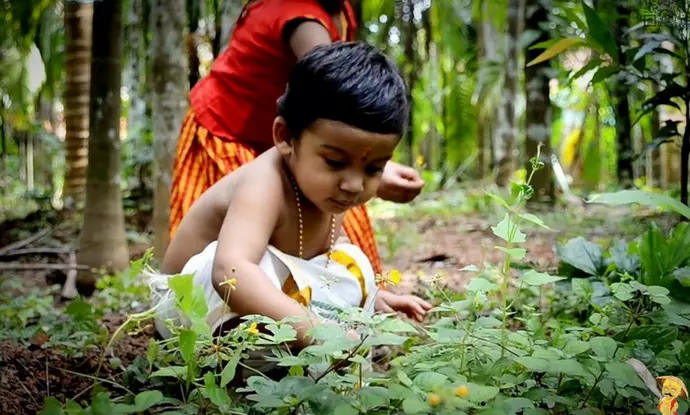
x=272, y=224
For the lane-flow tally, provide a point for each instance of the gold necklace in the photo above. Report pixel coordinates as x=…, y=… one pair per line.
x=301, y=228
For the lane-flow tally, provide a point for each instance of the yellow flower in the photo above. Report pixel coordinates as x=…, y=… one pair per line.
x=433, y=399
x=394, y=277
x=232, y=283
x=420, y=161
x=252, y=329
x=462, y=391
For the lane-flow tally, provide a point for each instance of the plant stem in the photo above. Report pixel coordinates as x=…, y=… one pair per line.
x=98, y=379
x=341, y=363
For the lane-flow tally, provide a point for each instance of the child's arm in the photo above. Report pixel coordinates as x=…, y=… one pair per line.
x=249, y=223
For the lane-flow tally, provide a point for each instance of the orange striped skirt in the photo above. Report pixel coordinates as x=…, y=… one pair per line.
x=202, y=159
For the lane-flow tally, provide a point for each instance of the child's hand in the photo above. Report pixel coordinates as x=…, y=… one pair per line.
x=411, y=305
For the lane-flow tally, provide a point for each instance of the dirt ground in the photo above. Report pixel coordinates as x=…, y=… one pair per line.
x=435, y=247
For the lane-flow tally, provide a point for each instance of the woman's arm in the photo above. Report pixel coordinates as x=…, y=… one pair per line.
x=306, y=36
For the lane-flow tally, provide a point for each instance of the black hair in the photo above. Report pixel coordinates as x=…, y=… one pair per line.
x=331, y=6
x=350, y=82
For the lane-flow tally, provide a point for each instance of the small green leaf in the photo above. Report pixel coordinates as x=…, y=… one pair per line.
x=481, y=284
x=345, y=409
x=481, y=393
x=170, y=371
x=683, y=276
x=187, y=344
x=515, y=253
x=414, y=405
x=582, y=254
x=534, y=364
x=101, y=404
x=535, y=278
x=604, y=347
x=534, y=219
x=398, y=392
x=625, y=374
x=373, y=397
x=395, y=325
x=218, y=396
x=575, y=347
x=404, y=379
x=147, y=399
x=553, y=50
x=499, y=200
x=51, y=406
x=508, y=231
x=600, y=32
x=228, y=373
x=430, y=381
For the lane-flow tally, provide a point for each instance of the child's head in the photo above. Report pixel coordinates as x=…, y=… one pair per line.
x=339, y=122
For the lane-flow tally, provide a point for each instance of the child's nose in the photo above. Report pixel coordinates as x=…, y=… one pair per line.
x=352, y=183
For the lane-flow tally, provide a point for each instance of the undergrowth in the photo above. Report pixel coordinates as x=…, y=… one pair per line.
x=515, y=342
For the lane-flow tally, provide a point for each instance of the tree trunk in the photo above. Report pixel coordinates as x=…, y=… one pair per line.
x=538, y=109
x=487, y=52
x=685, y=145
x=410, y=63
x=134, y=74
x=506, y=135
x=103, y=243
x=622, y=106
x=169, y=104
x=227, y=12
x=655, y=176
x=193, y=15
x=78, y=17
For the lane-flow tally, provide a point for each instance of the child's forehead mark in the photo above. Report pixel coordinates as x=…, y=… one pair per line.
x=366, y=153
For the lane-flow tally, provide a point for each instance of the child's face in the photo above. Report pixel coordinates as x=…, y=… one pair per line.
x=337, y=166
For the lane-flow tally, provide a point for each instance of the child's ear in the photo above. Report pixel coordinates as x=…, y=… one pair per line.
x=281, y=137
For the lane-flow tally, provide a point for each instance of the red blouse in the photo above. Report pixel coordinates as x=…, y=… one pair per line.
x=237, y=99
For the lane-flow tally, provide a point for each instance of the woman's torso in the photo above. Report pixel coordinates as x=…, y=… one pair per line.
x=237, y=99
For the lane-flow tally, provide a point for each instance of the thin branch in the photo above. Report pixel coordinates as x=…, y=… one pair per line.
x=39, y=251
x=31, y=267
x=24, y=242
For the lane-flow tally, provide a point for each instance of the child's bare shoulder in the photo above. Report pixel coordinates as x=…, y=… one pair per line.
x=258, y=185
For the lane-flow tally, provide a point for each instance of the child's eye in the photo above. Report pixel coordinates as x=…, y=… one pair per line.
x=373, y=171
x=334, y=163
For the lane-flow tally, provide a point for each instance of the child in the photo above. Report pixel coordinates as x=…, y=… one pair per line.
x=272, y=224
x=232, y=108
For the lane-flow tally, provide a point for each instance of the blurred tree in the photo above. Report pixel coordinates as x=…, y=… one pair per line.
x=103, y=243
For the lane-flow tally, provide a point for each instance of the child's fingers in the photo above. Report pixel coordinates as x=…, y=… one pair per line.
x=386, y=308
x=424, y=304
x=416, y=307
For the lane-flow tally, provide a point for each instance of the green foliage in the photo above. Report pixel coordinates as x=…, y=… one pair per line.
x=514, y=341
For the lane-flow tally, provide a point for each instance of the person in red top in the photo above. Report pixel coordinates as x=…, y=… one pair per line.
x=233, y=107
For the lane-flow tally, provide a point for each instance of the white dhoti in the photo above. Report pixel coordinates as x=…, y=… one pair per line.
x=347, y=281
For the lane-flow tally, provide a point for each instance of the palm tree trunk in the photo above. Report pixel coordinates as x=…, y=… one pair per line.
x=538, y=109
x=506, y=135
x=103, y=242
x=171, y=87
x=78, y=17
x=134, y=73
